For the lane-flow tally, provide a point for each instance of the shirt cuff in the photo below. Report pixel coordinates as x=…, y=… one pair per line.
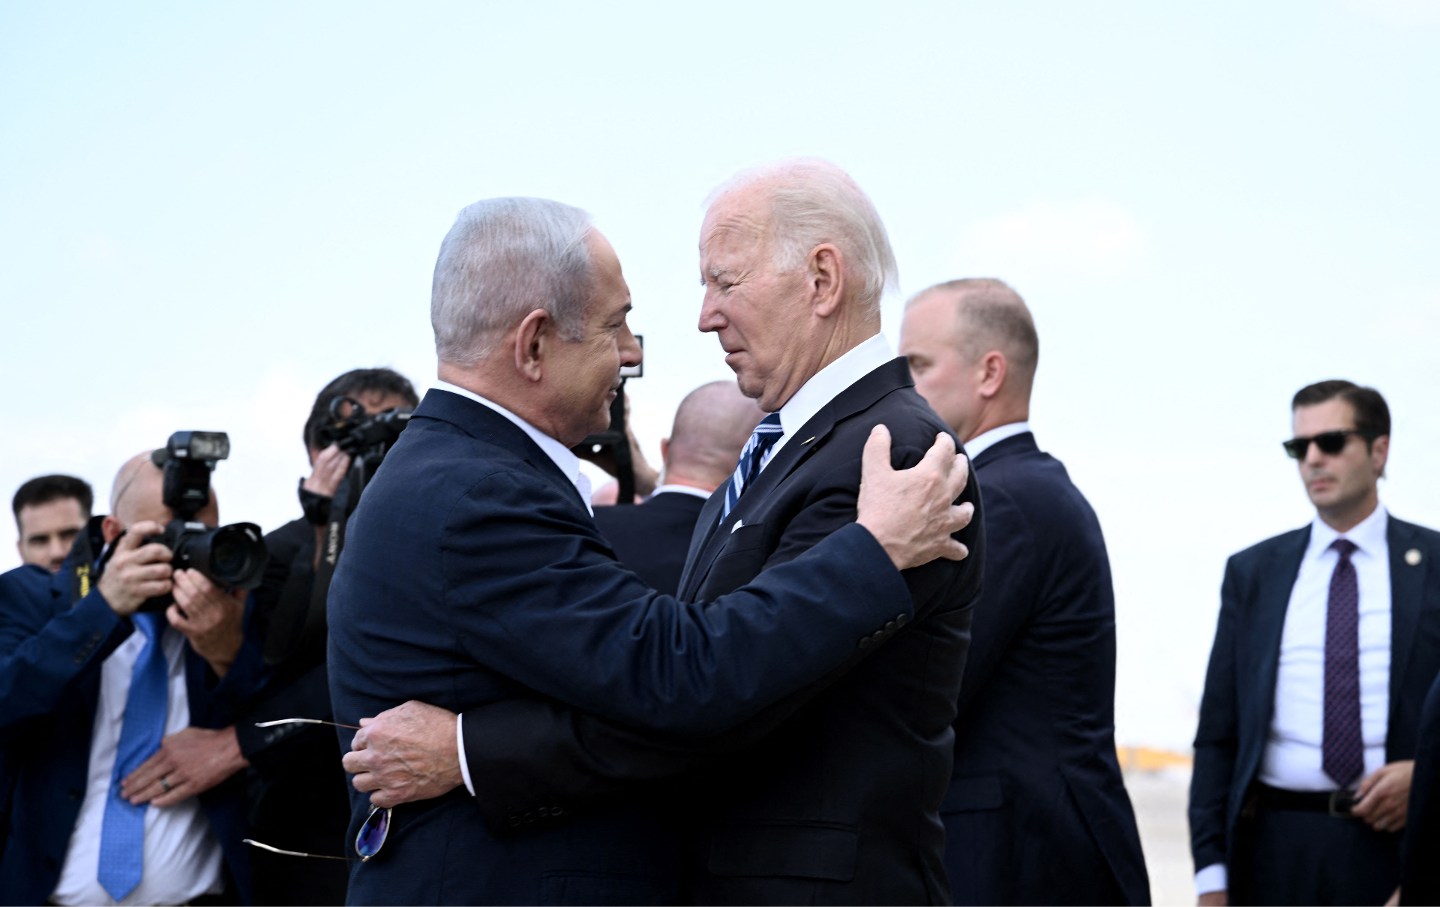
x=1211, y=878
x=460, y=751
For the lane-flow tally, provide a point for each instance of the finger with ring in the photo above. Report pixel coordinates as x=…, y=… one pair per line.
x=165, y=783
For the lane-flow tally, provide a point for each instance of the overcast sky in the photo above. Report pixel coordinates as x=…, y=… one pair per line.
x=209, y=210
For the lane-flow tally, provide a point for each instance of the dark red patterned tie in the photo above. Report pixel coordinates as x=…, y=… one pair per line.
x=1342, y=747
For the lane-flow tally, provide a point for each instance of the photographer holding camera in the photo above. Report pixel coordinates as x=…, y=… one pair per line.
x=100, y=663
x=297, y=790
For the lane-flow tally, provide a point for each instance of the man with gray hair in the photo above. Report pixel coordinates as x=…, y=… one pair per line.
x=474, y=576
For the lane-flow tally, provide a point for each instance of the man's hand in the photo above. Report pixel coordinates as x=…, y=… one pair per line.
x=405, y=754
x=136, y=571
x=331, y=466
x=1384, y=796
x=1219, y=898
x=188, y=763
x=211, y=618
x=910, y=511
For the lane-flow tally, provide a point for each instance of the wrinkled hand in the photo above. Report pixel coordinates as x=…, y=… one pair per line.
x=136, y=571
x=331, y=466
x=1219, y=898
x=1384, y=796
x=911, y=511
x=210, y=617
x=188, y=763
x=405, y=754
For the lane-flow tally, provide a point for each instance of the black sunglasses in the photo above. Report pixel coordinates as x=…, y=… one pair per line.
x=372, y=834
x=1329, y=442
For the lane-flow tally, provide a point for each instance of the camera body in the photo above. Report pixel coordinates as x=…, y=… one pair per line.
x=366, y=437
x=232, y=556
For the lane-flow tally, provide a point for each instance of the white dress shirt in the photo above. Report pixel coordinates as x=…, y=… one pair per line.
x=827, y=384
x=1292, y=754
x=988, y=439
x=182, y=857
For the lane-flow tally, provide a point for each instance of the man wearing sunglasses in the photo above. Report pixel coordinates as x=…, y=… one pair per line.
x=1328, y=639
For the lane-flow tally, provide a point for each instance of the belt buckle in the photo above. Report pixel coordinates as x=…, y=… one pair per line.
x=1341, y=804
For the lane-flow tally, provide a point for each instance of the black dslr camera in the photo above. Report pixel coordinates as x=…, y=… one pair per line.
x=366, y=437
x=232, y=556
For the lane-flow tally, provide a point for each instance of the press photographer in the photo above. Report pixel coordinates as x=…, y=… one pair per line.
x=103, y=709
x=297, y=789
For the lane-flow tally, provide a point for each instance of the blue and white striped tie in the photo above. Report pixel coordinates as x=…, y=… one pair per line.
x=764, y=438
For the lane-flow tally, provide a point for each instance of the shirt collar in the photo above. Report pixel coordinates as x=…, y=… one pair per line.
x=1368, y=535
x=681, y=489
x=563, y=458
x=988, y=439
x=827, y=384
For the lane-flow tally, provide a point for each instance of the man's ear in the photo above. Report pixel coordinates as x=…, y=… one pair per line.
x=532, y=339
x=111, y=528
x=825, y=273
x=993, y=369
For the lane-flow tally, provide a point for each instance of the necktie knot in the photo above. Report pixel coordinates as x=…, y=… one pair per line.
x=1345, y=547
x=761, y=440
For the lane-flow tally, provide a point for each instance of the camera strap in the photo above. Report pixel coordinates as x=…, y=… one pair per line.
x=85, y=571
x=332, y=543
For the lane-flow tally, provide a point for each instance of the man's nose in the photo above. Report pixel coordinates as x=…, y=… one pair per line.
x=631, y=353
x=710, y=318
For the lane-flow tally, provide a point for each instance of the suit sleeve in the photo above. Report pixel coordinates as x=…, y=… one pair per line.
x=1216, y=740
x=42, y=653
x=530, y=760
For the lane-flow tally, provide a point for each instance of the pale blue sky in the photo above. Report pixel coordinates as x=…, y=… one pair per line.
x=208, y=210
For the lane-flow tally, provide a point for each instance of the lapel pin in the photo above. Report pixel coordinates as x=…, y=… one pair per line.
x=808, y=440
x=1413, y=556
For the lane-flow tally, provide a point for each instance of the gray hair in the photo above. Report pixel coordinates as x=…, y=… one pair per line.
x=812, y=201
x=504, y=258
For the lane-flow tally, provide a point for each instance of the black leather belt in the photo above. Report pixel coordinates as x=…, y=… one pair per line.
x=1336, y=803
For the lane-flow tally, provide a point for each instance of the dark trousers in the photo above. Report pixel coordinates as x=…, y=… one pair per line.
x=1285, y=856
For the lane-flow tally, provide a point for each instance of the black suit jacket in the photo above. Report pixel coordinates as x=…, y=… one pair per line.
x=1239, y=697
x=833, y=795
x=473, y=574
x=653, y=538
x=1420, y=872
x=1037, y=811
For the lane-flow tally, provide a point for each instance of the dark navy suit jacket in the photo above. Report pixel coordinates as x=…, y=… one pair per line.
x=473, y=574
x=1037, y=811
x=1239, y=697
x=1420, y=870
x=653, y=538
x=832, y=795
x=50, y=657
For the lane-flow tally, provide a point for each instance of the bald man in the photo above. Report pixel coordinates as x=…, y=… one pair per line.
x=1037, y=811
x=712, y=424
x=97, y=825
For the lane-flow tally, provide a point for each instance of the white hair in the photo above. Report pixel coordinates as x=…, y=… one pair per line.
x=812, y=201
x=504, y=258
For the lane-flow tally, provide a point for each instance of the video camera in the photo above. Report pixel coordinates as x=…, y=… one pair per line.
x=232, y=556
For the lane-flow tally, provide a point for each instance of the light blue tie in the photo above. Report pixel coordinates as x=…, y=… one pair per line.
x=122, y=834
x=763, y=438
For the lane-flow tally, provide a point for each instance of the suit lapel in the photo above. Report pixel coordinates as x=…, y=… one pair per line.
x=711, y=535
x=1407, y=591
